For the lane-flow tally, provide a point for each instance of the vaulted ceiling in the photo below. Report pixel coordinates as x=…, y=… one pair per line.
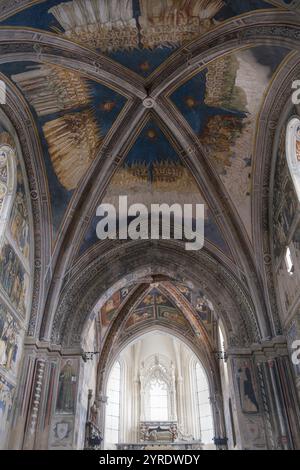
x=158, y=100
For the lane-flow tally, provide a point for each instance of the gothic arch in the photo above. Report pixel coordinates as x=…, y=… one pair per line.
x=82, y=292
x=274, y=28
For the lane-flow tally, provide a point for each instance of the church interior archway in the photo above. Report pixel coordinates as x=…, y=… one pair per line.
x=158, y=391
x=186, y=102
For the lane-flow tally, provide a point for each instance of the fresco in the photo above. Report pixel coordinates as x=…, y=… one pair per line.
x=6, y=401
x=152, y=173
x=13, y=278
x=67, y=386
x=246, y=387
x=140, y=316
x=10, y=340
x=203, y=307
x=109, y=309
x=3, y=177
x=154, y=307
x=73, y=115
x=19, y=220
x=139, y=34
x=222, y=104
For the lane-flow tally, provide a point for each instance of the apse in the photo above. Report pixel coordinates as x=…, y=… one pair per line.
x=158, y=393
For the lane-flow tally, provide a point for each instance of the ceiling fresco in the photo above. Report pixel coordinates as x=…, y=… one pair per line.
x=139, y=34
x=72, y=115
x=153, y=173
x=222, y=105
x=155, y=307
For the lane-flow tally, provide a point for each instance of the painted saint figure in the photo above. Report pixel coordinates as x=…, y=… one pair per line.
x=248, y=399
x=66, y=389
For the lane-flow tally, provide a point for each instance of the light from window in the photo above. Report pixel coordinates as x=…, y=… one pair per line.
x=204, y=412
x=158, y=400
x=113, y=405
x=293, y=152
x=289, y=261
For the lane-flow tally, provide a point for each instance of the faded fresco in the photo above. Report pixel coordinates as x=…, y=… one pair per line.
x=203, y=307
x=67, y=386
x=10, y=341
x=246, y=387
x=6, y=401
x=109, y=310
x=139, y=34
x=156, y=307
x=14, y=275
x=19, y=220
x=153, y=173
x=222, y=105
x=13, y=278
x=3, y=177
x=74, y=114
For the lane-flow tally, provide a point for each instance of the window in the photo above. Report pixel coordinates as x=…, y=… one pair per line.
x=113, y=405
x=289, y=261
x=204, y=413
x=158, y=393
x=7, y=184
x=293, y=152
x=158, y=401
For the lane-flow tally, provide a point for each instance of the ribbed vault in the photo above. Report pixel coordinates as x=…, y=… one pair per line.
x=146, y=98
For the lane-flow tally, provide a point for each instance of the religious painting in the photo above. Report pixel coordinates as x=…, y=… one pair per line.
x=185, y=291
x=107, y=25
x=73, y=140
x=203, y=307
x=172, y=316
x=113, y=25
x=72, y=114
x=67, y=386
x=13, y=278
x=109, y=309
x=140, y=316
x=19, y=223
x=3, y=177
x=10, y=340
x=153, y=173
x=63, y=89
x=254, y=433
x=174, y=22
x=222, y=104
x=246, y=387
x=6, y=401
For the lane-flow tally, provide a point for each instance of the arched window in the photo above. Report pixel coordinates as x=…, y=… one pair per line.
x=158, y=394
x=113, y=405
x=158, y=402
x=7, y=183
x=293, y=151
x=204, y=412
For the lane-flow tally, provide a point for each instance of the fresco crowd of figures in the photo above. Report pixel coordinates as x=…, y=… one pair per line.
x=14, y=273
